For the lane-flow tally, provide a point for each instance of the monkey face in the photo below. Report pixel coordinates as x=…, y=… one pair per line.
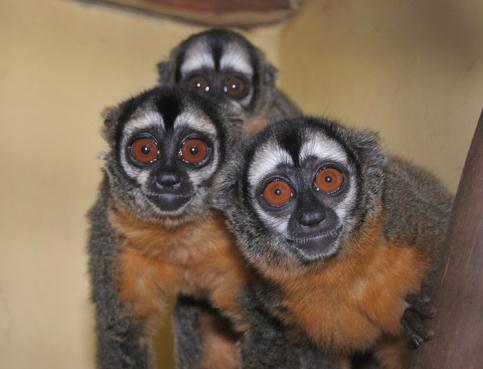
x=302, y=183
x=221, y=64
x=168, y=146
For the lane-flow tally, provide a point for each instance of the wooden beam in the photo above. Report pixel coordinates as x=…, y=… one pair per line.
x=241, y=13
x=458, y=326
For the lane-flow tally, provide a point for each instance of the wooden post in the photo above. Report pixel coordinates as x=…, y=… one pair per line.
x=458, y=326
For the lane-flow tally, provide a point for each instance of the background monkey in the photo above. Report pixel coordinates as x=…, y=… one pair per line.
x=340, y=232
x=220, y=63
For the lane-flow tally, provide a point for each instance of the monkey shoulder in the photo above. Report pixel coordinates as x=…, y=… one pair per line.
x=416, y=205
x=281, y=107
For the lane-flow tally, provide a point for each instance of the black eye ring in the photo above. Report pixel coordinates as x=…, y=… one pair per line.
x=236, y=77
x=266, y=182
x=131, y=143
x=209, y=148
x=338, y=171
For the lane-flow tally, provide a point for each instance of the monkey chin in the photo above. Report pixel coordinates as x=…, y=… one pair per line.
x=316, y=247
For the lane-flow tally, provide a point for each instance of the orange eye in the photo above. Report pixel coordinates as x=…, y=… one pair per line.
x=199, y=84
x=194, y=151
x=145, y=150
x=235, y=87
x=329, y=180
x=277, y=193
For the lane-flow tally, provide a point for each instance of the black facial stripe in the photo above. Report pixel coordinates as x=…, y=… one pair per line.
x=291, y=141
x=178, y=62
x=216, y=47
x=169, y=106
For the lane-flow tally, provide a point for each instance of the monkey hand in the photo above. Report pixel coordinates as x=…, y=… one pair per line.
x=413, y=320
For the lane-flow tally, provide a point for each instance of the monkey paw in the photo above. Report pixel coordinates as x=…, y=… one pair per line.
x=413, y=320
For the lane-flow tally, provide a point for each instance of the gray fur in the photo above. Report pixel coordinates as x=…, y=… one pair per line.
x=268, y=344
x=281, y=107
x=188, y=340
x=120, y=344
x=417, y=206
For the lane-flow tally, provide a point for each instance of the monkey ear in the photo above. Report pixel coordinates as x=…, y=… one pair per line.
x=368, y=146
x=110, y=115
x=372, y=159
x=166, y=72
x=269, y=75
x=107, y=112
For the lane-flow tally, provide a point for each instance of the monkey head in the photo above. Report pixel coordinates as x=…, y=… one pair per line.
x=166, y=147
x=305, y=184
x=222, y=64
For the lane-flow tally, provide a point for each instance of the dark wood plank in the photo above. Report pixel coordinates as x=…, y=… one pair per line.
x=458, y=343
x=242, y=13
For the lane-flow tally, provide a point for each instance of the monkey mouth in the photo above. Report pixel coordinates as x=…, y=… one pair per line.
x=170, y=202
x=334, y=233
x=316, y=246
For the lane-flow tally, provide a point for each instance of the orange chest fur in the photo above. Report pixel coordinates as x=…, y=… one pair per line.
x=347, y=304
x=198, y=258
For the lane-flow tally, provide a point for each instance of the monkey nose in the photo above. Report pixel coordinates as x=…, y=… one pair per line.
x=311, y=218
x=168, y=181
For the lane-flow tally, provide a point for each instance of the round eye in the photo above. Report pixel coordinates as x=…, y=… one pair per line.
x=199, y=84
x=235, y=87
x=329, y=180
x=194, y=151
x=145, y=150
x=277, y=193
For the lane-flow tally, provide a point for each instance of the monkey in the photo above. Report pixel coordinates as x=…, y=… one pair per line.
x=220, y=63
x=339, y=231
x=152, y=231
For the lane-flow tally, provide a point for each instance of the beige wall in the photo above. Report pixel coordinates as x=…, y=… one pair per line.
x=412, y=72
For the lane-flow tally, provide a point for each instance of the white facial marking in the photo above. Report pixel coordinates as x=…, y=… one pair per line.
x=197, y=121
x=323, y=148
x=236, y=57
x=148, y=119
x=320, y=146
x=197, y=57
x=266, y=159
x=278, y=224
x=145, y=120
x=346, y=205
